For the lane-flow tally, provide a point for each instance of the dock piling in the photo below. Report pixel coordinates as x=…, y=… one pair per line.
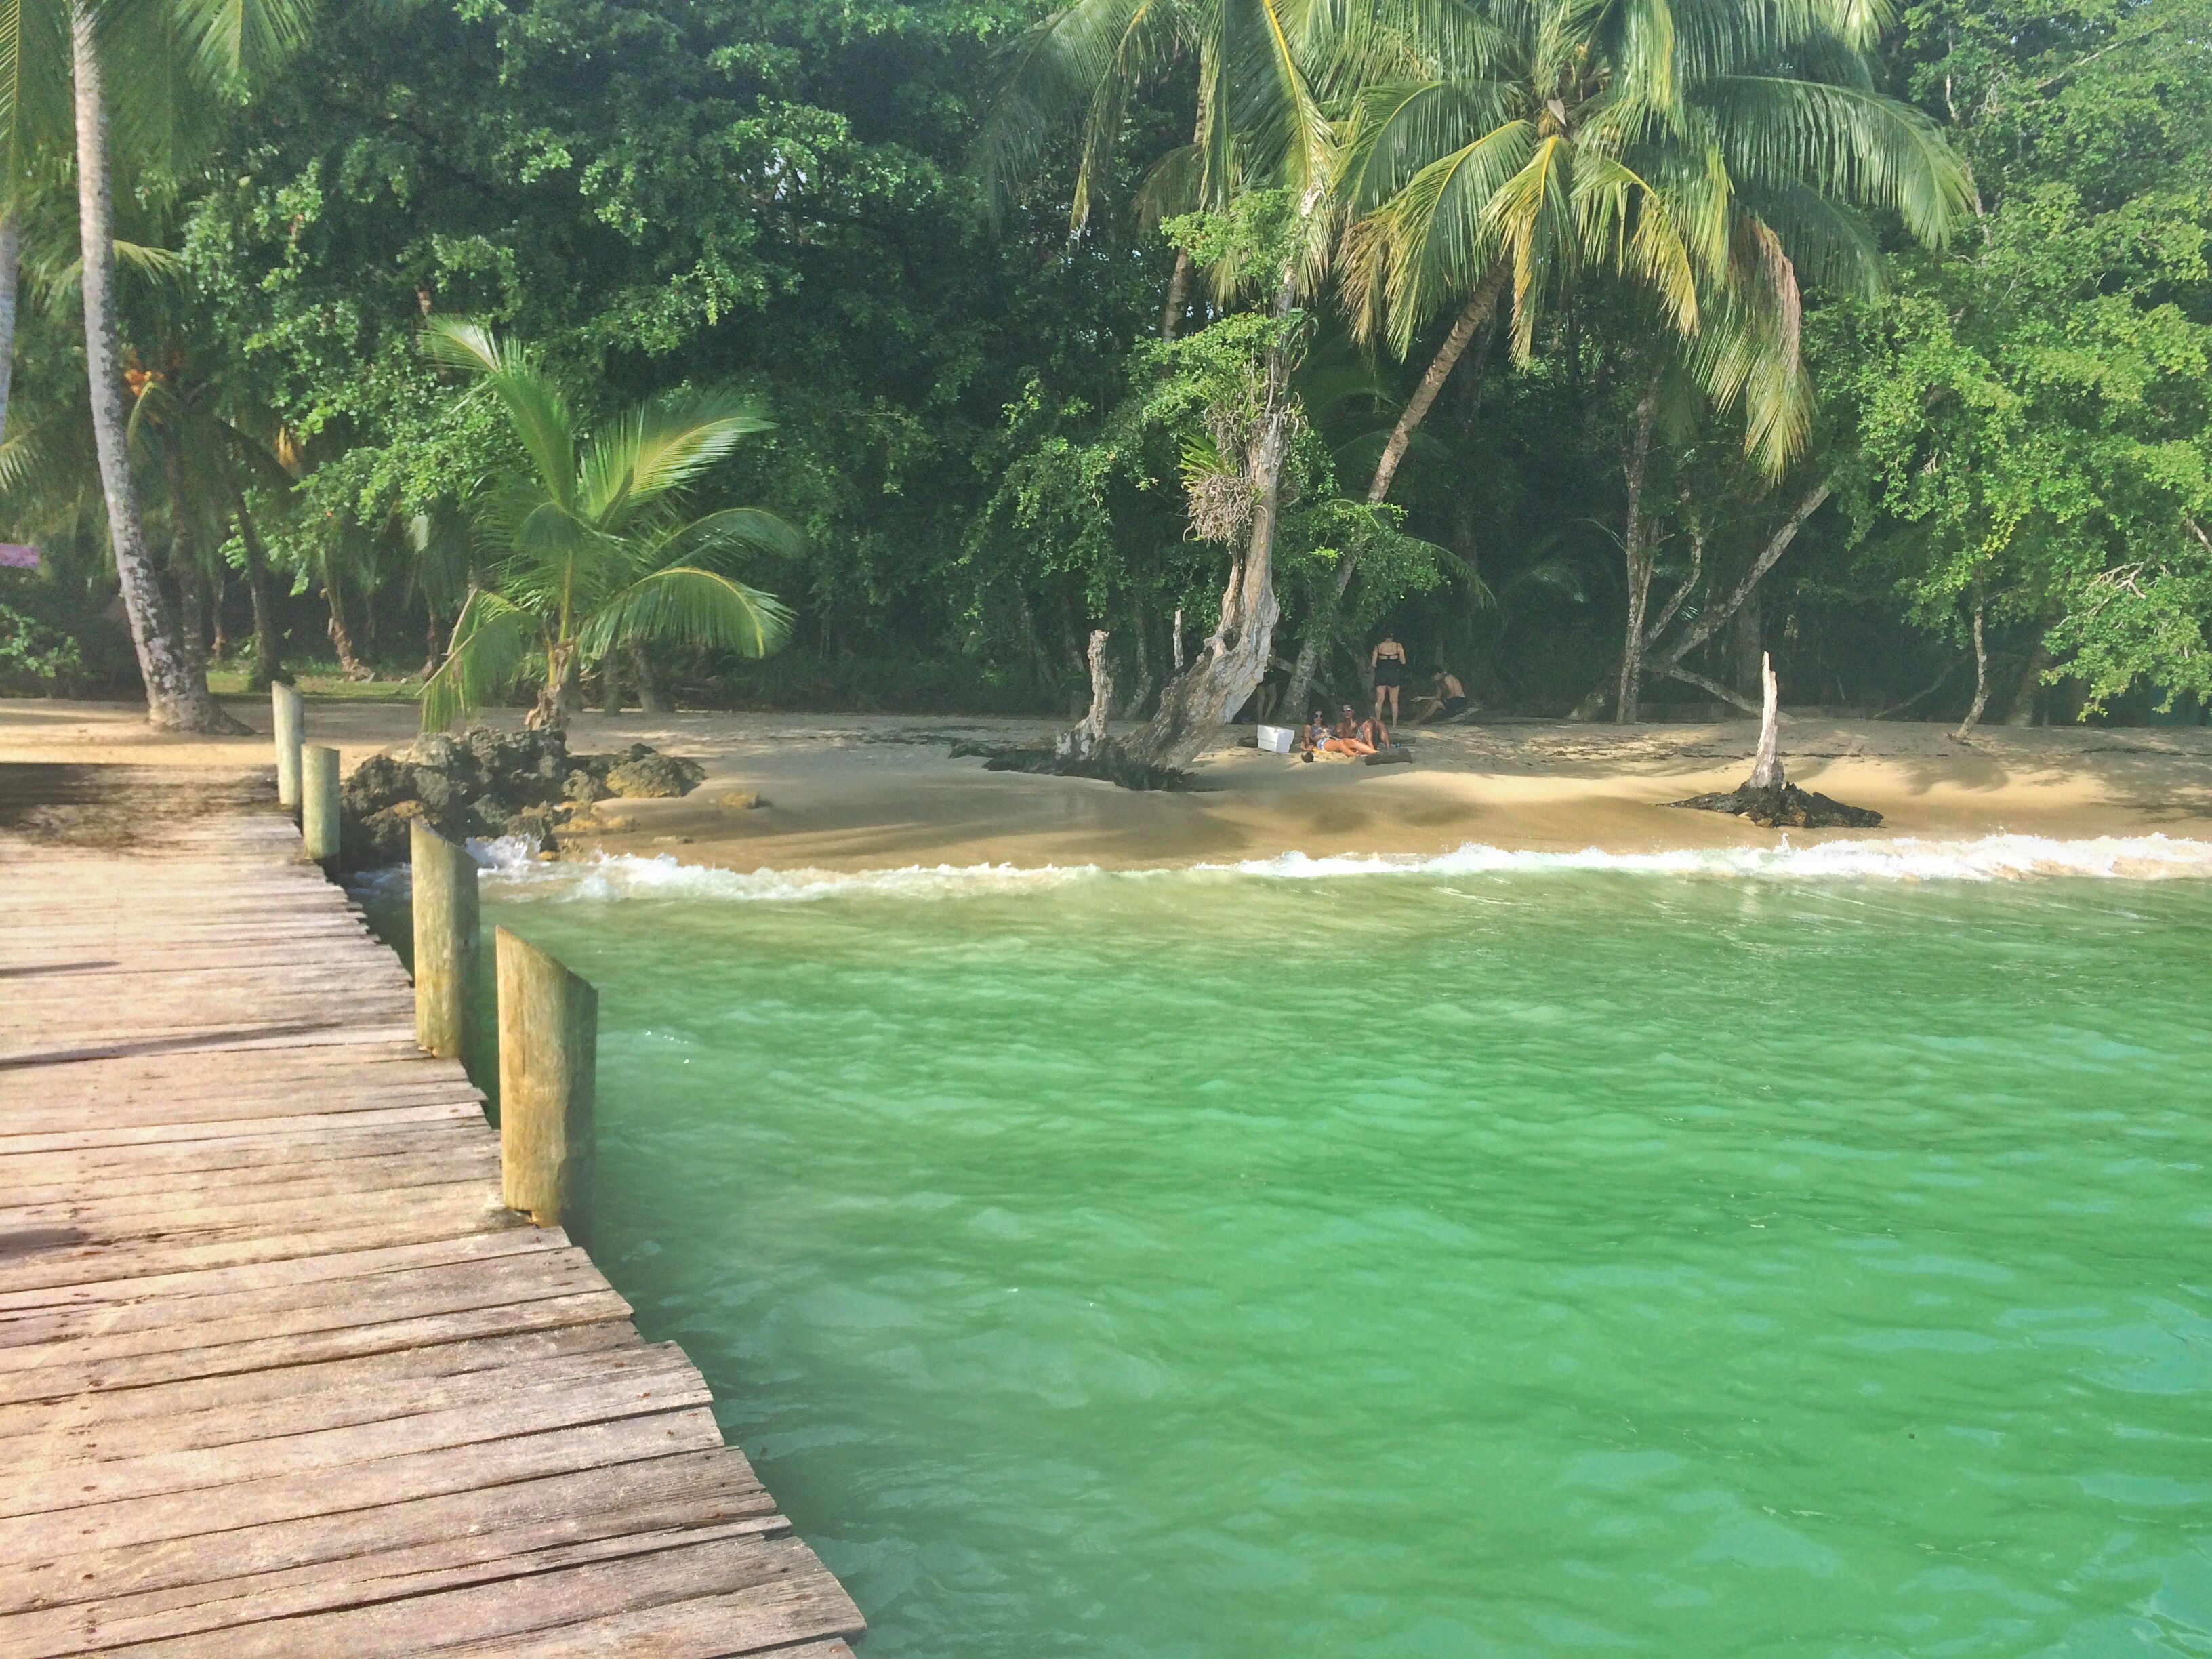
x=549, y=1043
x=447, y=935
x=290, y=726
x=318, y=801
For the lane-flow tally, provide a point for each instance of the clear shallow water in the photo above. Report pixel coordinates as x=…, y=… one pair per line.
x=1484, y=1260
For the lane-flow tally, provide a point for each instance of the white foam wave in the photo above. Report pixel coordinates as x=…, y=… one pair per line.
x=513, y=866
x=1986, y=858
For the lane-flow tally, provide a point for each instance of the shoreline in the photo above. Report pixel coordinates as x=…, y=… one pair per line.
x=880, y=793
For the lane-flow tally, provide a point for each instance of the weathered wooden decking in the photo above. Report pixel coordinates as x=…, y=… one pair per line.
x=278, y=1375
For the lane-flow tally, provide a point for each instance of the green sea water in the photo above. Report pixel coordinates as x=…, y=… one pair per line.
x=1488, y=1259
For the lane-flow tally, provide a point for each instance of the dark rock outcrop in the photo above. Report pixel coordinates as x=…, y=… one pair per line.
x=491, y=783
x=1785, y=807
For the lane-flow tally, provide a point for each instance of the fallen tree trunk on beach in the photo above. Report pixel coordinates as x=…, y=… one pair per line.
x=1769, y=799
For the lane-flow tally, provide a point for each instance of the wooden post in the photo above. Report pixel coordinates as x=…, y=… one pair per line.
x=290, y=726
x=319, y=802
x=549, y=1045
x=445, y=940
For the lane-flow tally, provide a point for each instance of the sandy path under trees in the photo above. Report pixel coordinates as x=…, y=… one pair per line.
x=870, y=791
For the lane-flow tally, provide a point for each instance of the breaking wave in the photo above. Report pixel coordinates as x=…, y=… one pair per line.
x=516, y=872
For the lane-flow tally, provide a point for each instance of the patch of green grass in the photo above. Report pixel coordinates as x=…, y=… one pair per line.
x=321, y=680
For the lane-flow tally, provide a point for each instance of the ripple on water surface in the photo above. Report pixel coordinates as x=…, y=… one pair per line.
x=1478, y=1259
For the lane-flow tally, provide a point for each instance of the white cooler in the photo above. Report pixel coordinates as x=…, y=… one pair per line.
x=1278, y=738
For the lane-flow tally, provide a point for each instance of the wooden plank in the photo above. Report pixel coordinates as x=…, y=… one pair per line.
x=773, y=1586
x=156, y=1324
x=28, y=1539
x=296, y=1269
x=641, y=1382
x=113, y=1623
x=57, y=1382
x=687, y=1488
x=218, y=1410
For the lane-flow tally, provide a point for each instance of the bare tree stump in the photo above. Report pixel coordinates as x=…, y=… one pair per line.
x=1767, y=763
x=1083, y=743
x=1766, y=798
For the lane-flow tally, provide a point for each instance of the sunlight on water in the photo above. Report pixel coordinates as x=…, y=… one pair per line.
x=1482, y=1260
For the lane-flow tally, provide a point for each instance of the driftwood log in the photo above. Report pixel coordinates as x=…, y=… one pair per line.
x=1769, y=799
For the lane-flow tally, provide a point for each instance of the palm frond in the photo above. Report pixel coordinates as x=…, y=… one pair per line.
x=231, y=37
x=749, y=528
x=661, y=447
x=535, y=405
x=491, y=640
x=1842, y=141
x=688, y=605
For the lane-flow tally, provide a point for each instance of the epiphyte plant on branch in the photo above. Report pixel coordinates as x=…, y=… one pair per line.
x=588, y=548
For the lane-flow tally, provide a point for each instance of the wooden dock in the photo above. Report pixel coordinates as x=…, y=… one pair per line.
x=278, y=1376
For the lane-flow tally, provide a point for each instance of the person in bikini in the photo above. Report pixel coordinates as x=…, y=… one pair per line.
x=1314, y=736
x=1349, y=736
x=1387, y=659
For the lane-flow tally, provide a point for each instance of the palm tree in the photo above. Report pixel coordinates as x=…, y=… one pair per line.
x=590, y=550
x=1260, y=126
x=1706, y=152
x=218, y=40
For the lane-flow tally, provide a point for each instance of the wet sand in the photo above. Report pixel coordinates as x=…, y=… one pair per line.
x=875, y=791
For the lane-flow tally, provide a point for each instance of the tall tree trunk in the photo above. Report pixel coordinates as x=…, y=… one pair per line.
x=2022, y=712
x=1083, y=743
x=1178, y=290
x=267, y=665
x=1636, y=551
x=176, y=698
x=1481, y=313
x=1143, y=693
x=184, y=558
x=650, y=698
x=11, y=234
x=341, y=632
x=1232, y=662
x=1981, y=671
x=1744, y=642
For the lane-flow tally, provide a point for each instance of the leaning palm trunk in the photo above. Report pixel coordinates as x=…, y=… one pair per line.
x=1481, y=310
x=10, y=247
x=175, y=696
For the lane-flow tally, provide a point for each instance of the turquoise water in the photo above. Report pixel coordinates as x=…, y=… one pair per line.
x=1487, y=1260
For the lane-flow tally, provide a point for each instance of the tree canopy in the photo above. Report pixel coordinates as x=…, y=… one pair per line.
x=1941, y=273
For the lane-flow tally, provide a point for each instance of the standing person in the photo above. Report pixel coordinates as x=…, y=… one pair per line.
x=1387, y=659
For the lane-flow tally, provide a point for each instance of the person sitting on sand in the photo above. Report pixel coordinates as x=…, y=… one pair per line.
x=1314, y=736
x=1450, y=698
x=1376, y=735
x=1387, y=659
x=1346, y=739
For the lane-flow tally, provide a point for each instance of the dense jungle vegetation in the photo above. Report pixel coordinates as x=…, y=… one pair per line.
x=1593, y=346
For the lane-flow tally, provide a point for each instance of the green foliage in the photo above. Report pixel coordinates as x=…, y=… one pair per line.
x=2033, y=418
x=587, y=549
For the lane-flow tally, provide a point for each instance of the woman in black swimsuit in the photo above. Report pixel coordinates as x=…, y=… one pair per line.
x=1388, y=662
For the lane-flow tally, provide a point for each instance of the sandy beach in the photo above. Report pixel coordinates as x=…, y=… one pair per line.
x=857, y=791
